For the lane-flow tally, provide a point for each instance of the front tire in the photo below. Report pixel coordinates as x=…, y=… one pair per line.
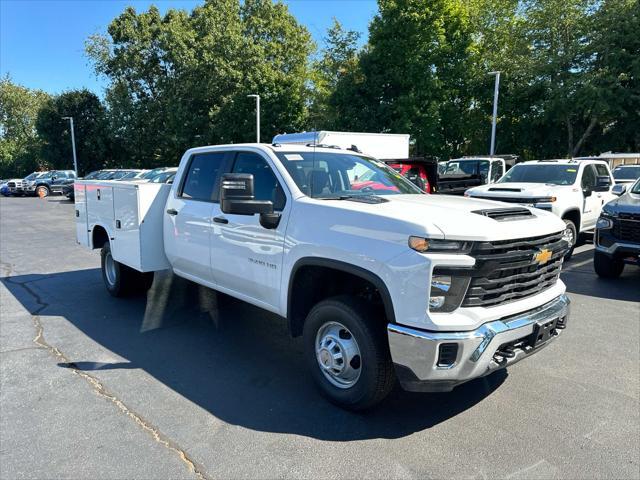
x=573, y=231
x=119, y=279
x=347, y=352
x=607, y=267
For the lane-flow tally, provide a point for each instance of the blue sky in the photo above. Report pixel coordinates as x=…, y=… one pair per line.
x=42, y=41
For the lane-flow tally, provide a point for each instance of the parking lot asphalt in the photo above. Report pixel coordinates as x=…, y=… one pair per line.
x=184, y=383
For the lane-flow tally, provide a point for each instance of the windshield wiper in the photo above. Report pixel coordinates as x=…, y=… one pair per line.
x=357, y=198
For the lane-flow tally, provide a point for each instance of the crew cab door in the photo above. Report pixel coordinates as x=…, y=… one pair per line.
x=592, y=201
x=189, y=216
x=246, y=258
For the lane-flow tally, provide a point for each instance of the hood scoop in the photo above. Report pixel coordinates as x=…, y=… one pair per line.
x=505, y=214
x=503, y=189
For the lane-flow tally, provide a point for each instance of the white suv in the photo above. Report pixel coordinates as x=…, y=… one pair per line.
x=575, y=190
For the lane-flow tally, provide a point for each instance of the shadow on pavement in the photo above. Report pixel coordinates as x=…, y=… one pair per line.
x=236, y=361
x=580, y=278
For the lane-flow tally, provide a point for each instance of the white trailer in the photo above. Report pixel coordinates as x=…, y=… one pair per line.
x=384, y=146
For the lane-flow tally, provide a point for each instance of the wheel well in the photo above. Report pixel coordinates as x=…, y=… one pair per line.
x=99, y=237
x=312, y=283
x=574, y=216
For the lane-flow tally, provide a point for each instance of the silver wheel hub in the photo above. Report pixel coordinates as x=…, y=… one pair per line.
x=338, y=355
x=110, y=268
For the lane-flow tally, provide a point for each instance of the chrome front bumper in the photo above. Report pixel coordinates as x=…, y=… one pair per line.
x=416, y=353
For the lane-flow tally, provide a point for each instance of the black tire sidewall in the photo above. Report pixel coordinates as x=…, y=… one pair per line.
x=116, y=289
x=570, y=224
x=363, y=393
x=606, y=266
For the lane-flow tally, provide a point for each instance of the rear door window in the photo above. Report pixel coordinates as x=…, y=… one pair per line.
x=202, y=177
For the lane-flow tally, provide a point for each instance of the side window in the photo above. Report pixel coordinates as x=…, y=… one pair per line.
x=265, y=183
x=201, y=176
x=496, y=171
x=588, y=178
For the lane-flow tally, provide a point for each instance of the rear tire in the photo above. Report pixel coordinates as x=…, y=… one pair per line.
x=607, y=267
x=121, y=280
x=346, y=349
x=574, y=237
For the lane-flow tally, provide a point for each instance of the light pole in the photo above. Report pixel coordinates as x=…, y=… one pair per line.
x=73, y=144
x=495, y=112
x=257, y=97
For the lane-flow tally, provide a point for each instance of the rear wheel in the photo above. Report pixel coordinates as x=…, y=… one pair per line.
x=347, y=353
x=121, y=280
x=606, y=266
x=572, y=233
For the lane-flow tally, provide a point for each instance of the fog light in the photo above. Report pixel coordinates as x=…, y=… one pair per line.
x=436, y=302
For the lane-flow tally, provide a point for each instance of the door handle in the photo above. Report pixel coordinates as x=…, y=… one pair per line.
x=220, y=220
x=172, y=211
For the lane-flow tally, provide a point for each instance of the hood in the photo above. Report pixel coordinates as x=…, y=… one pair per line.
x=456, y=218
x=627, y=203
x=496, y=190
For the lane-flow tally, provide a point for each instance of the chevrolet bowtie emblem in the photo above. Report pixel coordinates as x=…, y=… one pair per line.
x=543, y=256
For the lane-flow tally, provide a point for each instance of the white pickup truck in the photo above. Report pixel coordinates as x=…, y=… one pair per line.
x=575, y=190
x=380, y=279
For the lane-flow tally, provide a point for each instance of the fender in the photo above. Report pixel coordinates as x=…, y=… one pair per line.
x=105, y=228
x=344, y=267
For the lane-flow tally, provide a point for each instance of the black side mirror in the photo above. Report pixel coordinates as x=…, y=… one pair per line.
x=587, y=191
x=237, y=197
x=603, y=183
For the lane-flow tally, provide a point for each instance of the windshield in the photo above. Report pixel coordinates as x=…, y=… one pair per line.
x=152, y=173
x=626, y=173
x=335, y=175
x=466, y=167
x=636, y=187
x=33, y=176
x=541, y=173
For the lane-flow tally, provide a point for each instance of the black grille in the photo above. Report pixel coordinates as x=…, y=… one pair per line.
x=627, y=227
x=507, y=270
x=11, y=184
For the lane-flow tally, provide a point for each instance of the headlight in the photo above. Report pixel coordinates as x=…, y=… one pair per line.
x=608, y=212
x=545, y=200
x=447, y=292
x=429, y=245
x=604, y=223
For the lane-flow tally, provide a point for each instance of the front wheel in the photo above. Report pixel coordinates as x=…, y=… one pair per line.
x=572, y=234
x=121, y=280
x=606, y=266
x=347, y=352
x=43, y=191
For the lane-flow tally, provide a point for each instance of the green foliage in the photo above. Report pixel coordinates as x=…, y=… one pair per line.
x=91, y=133
x=183, y=79
x=570, y=82
x=19, y=148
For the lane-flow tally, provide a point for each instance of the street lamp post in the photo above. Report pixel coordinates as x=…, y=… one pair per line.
x=495, y=112
x=257, y=97
x=73, y=144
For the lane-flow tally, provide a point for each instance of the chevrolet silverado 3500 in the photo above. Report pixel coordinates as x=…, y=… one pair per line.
x=382, y=281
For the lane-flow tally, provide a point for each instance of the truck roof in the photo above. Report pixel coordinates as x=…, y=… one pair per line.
x=285, y=147
x=566, y=161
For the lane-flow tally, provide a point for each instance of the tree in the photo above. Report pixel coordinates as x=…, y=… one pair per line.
x=414, y=75
x=338, y=59
x=19, y=145
x=183, y=79
x=91, y=132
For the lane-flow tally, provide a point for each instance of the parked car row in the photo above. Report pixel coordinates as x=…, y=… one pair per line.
x=38, y=183
x=60, y=182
